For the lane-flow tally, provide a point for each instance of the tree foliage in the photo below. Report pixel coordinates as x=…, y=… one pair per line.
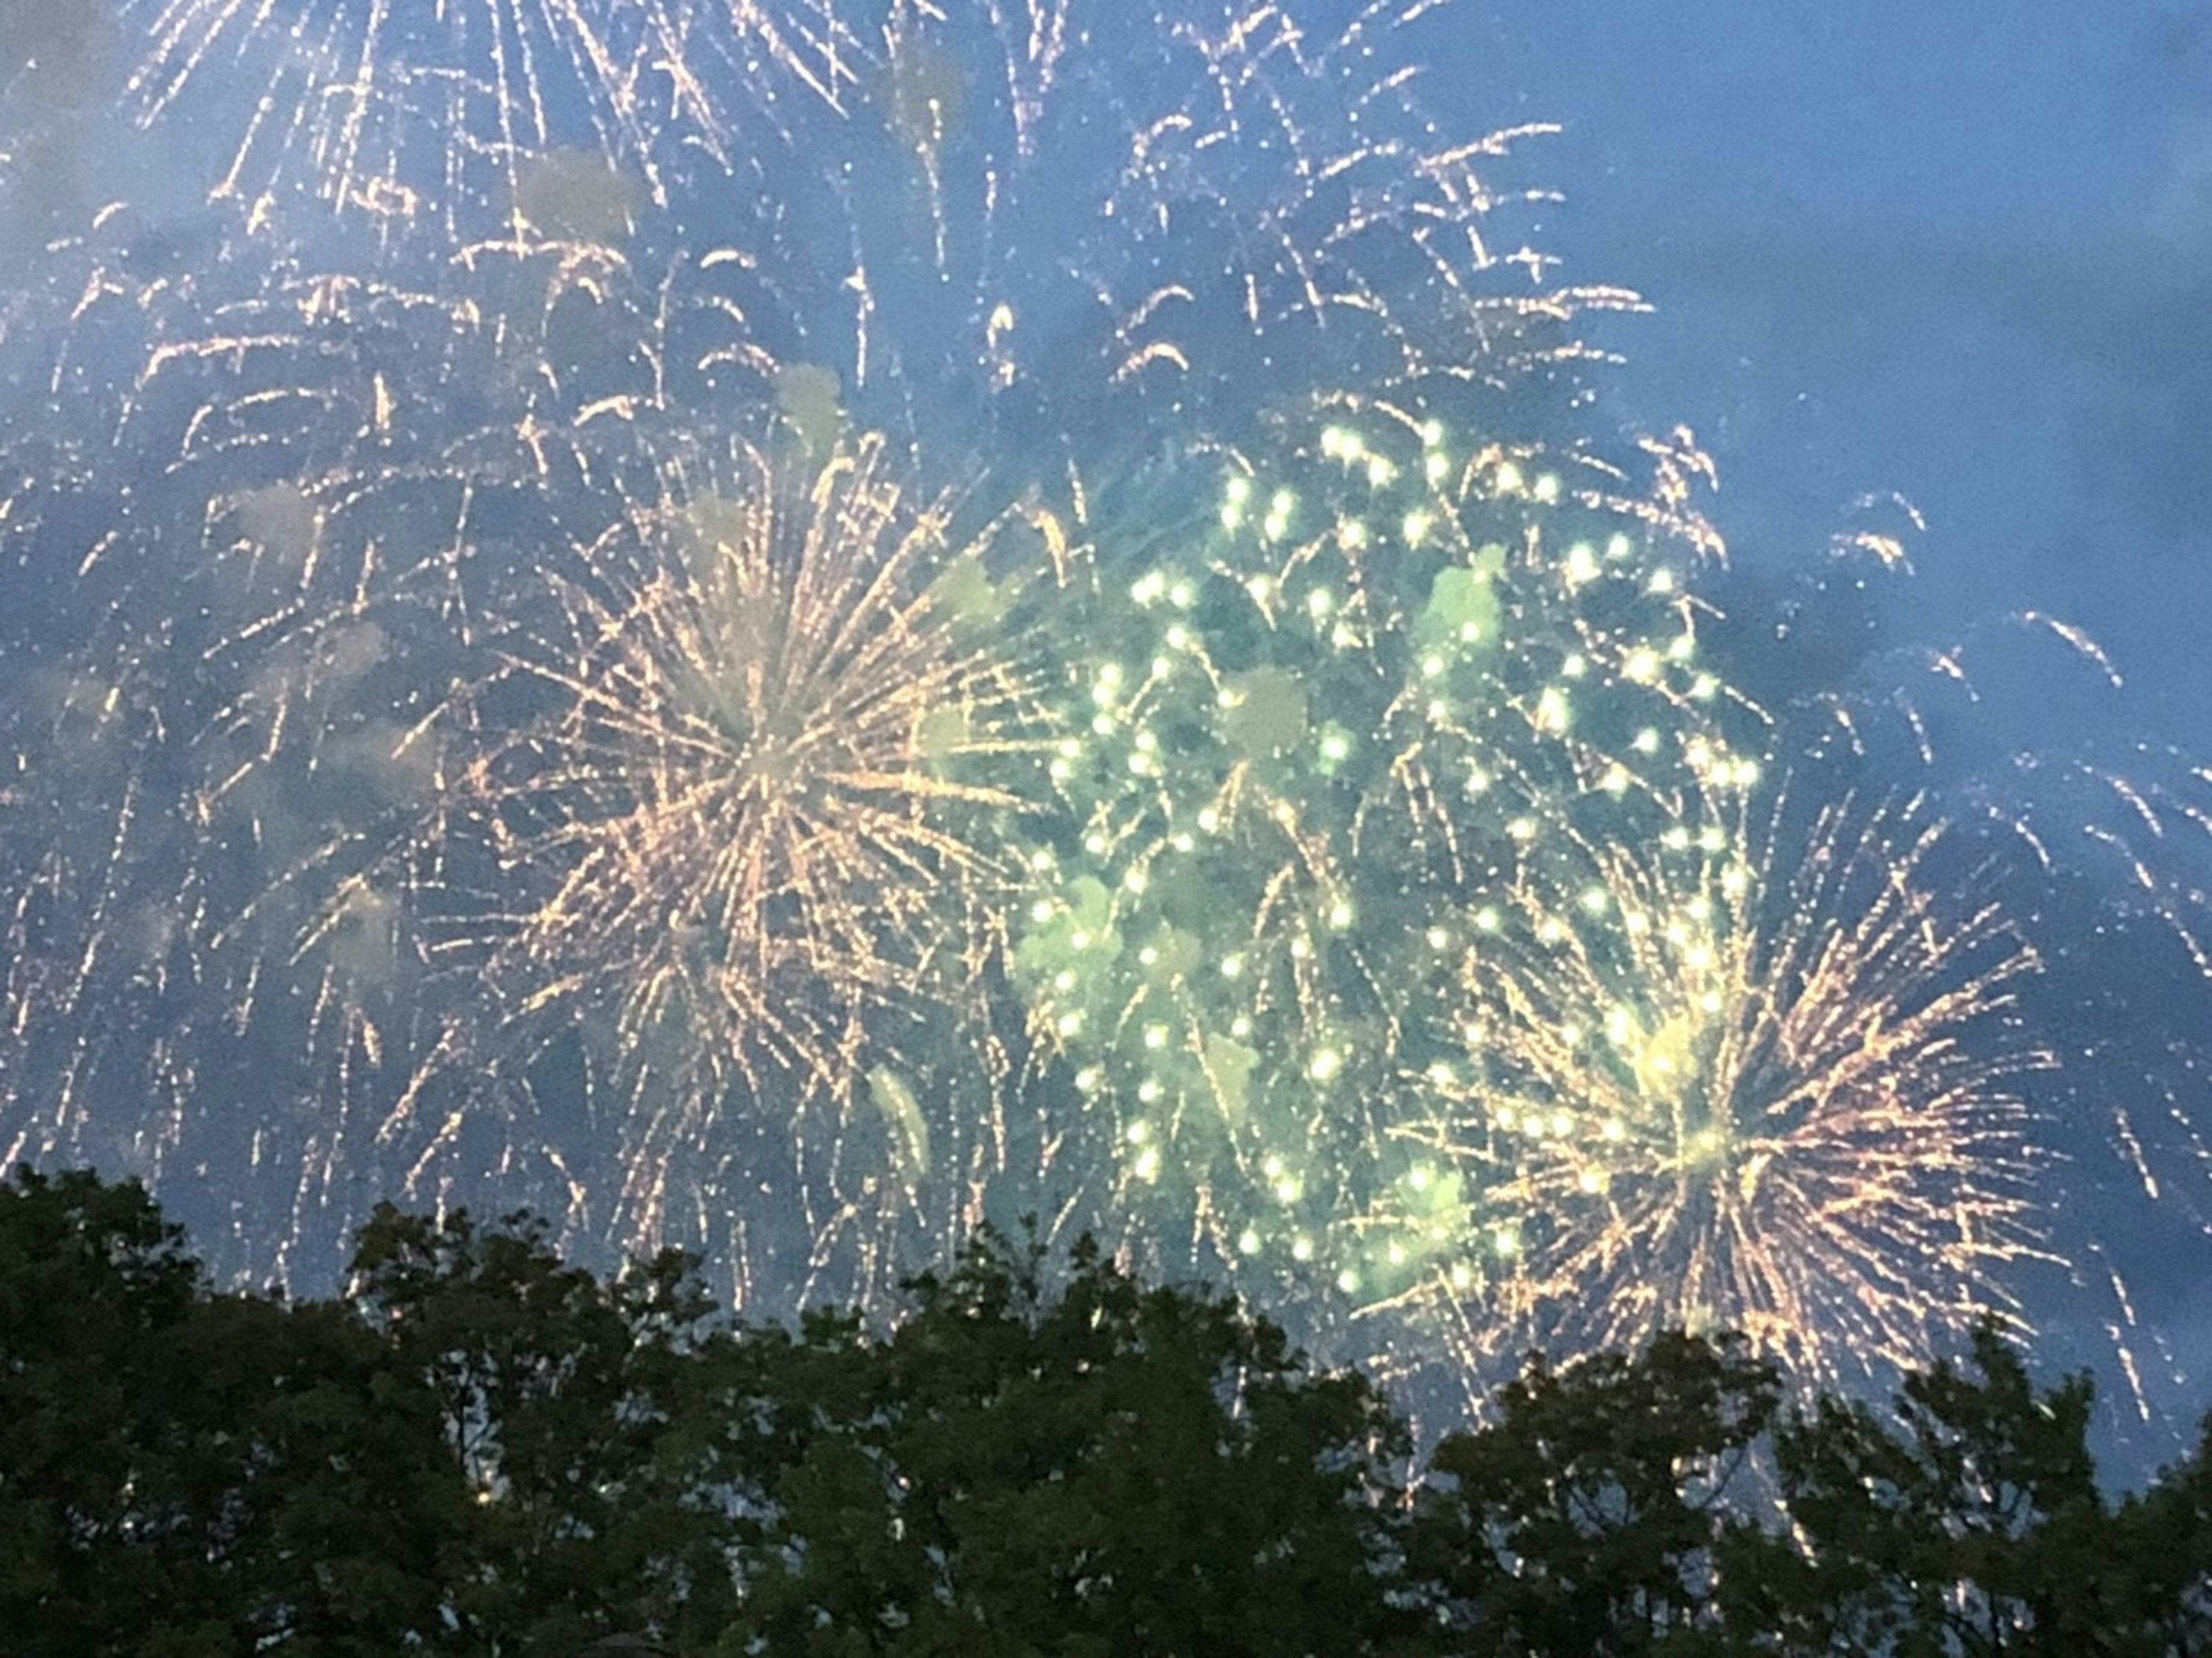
x=184, y=1473
x=1588, y=1518
x=483, y=1450
x=1087, y=1468
x=565, y=1404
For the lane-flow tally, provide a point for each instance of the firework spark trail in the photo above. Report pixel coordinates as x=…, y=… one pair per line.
x=260, y=545
x=395, y=111
x=1738, y=1082
x=1086, y=232
x=61, y=921
x=178, y=918
x=341, y=466
x=739, y=797
x=2117, y=879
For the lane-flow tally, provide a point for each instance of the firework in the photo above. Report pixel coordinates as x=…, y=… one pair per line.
x=259, y=517
x=395, y=113
x=739, y=801
x=363, y=467
x=495, y=709
x=2023, y=732
x=1767, y=1083
x=2030, y=731
x=1348, y=709
x=1075, y=238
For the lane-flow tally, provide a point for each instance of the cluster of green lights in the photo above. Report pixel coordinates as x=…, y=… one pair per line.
x=1313, y=754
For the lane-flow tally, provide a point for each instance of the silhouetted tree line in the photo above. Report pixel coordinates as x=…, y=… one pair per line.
x=481, y=1449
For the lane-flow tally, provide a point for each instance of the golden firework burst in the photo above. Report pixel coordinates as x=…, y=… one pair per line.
x=749, y=782
x=1714, y=1083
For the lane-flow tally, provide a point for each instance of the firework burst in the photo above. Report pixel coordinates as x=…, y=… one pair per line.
x=1767, y=1083
x=739, y=804
x=2026, y=733
x=1375, y=680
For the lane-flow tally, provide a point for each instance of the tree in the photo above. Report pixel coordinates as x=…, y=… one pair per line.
x=482, y=1450
x=1105, y=1470
x=184, y=1473
x=566, y=1406
x=2160, y=1557
x=1969, y=1523
x=1588, y=1517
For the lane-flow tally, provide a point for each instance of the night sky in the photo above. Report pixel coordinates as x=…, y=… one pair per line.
x=1957, y=252
x=1944, y=251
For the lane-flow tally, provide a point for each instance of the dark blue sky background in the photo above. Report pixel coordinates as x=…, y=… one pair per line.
x=1959, y=252
x=1962, y=252
x=1954, y=249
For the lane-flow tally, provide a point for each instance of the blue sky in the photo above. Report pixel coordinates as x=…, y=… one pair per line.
x=1953, y=250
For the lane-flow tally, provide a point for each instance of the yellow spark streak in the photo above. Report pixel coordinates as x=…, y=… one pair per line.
x=2079, y=639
